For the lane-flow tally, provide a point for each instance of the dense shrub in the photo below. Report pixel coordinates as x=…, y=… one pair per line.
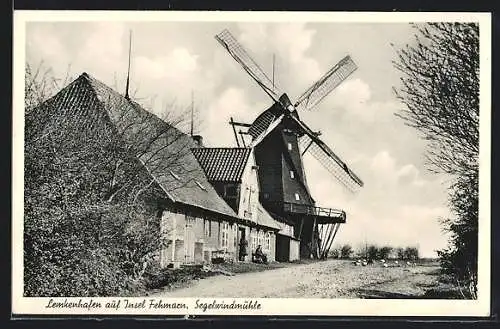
x=346, y=251
x=81, y=237
x=384, y=252
x=374, y=252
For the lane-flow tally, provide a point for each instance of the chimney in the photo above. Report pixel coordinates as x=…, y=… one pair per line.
x=198, y=139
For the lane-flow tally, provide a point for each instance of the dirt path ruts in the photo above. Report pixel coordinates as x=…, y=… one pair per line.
x=328, y=279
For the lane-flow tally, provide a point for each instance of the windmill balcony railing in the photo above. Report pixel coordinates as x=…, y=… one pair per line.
x=313, y=210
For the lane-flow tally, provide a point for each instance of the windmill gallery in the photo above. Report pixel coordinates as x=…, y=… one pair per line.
x=221, y=203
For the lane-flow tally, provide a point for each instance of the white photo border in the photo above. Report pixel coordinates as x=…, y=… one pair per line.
x=269, y=306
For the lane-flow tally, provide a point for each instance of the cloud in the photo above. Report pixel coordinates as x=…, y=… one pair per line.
x=178, y=65
x=104, y=42
x=45, y=44
x=395, y=207
x=383, y=162
x=384, y=165
x=296, y=70
x=233, y=102
x=407, y=225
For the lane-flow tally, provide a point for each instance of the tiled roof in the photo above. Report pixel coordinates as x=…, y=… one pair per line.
x=168, y=157
x=223, y=164
x=264, y=219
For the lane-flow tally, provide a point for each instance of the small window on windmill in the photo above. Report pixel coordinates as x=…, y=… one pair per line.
x=200, y=185
x=297, y=197
x=266, y=195
x=292, y=176
x=289, y=146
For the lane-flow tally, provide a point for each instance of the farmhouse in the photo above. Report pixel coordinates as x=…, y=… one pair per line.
x=206, y=199
x=234, y=175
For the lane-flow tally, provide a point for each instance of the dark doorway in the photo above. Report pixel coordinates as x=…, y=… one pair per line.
x=282, y=248
x=241, y=235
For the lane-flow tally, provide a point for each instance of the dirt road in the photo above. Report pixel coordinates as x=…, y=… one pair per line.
x=326, y=279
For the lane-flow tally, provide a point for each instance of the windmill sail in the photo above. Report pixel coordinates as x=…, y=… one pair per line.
x=267, y=131
x=341, y=173
x=262, y=122
x=236, y=50
x=312, y=96
x=328, y=158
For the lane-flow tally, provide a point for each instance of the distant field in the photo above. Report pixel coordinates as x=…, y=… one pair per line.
x=320, y=279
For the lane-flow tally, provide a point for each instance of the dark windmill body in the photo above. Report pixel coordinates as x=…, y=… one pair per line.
x=280, y=139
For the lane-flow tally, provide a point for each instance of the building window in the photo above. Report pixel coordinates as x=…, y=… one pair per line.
x=259, y=238
x=235, y=236
x=200, y=185
x=292, y=176
x=267, y=245
x=230, y=191
x=289, y=146
x=266, y=195
x=225, y=235
x=254, y=240
x=208, y=227
x=297, y=197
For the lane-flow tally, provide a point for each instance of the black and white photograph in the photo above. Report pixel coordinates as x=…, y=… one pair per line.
x=251, y=163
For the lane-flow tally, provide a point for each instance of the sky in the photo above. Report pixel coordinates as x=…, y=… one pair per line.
x=401, y=202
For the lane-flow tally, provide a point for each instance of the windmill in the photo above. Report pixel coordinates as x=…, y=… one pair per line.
x=280, y=139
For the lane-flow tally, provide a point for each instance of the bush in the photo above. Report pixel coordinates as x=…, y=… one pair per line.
x=384, y=252
x=334, y=253
x=411, y=253
x=77, y=241
x=373, y=252
x=346, y=251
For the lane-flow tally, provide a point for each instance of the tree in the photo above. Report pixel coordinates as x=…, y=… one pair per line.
x=400, y=253
x=372, y=252
x=346, y=251
x=440, y=91
x=411, y=253
x=384, y=252
x=40, y=84
x=92, y=221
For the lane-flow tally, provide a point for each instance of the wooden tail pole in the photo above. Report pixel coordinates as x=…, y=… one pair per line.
x=128, y=70
x=314, y=241
x=274, y=60
x=301, y=226
x=333, y=238
x=242, y=139
x=328, y=238
x=192, y=113
x=231, y=122
x=326, y=232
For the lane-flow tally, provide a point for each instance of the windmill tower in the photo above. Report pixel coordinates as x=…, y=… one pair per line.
x=280, y=139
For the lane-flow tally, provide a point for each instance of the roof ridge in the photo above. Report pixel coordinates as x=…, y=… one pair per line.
x=223, y=148
x=135, y=104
